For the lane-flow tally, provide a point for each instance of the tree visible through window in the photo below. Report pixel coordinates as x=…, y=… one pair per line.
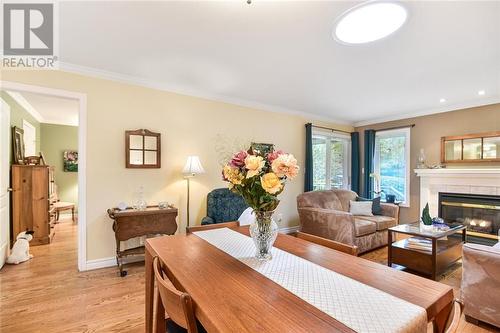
x=392, y=151
x=331, y=160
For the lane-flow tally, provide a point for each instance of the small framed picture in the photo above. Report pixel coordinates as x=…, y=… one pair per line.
x=70, y=161
x=17, y=145
x=262, y=148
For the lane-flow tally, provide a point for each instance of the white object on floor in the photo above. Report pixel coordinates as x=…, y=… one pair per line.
x=247, y=217
x=361, y=208
x=21, y=249
x=356, y=305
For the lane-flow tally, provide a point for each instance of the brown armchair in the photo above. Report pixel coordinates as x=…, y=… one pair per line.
x=326, y=214
x=480, y=290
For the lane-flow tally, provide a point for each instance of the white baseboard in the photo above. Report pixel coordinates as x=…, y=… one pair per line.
x=4, y=252
x=109, y=262
x=289, y=230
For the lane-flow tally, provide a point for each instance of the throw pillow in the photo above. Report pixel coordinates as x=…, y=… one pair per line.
x=247, y=217
x=376, y=207
x=361, y=208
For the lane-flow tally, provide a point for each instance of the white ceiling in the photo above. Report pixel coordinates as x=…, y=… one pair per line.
x=281, y=55
x=48, y=109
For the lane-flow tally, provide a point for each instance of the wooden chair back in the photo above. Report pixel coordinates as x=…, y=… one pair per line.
x=177, y=304
x=454, y=318
x=233, y=224
x=349, y=249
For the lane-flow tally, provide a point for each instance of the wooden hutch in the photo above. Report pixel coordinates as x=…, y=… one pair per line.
x=33, y=196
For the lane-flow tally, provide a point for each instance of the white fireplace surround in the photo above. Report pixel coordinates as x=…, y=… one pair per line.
x=465, y=181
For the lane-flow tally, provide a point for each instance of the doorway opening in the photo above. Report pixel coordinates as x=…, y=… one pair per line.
x=46, y=167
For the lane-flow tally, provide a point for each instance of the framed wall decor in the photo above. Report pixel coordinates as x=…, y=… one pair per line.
x=262, y=148
x=471, y=148
x=142, y=149
x=17, y=145
x=70, y=161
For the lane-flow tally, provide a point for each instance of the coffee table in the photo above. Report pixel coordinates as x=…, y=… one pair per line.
x=431, y=263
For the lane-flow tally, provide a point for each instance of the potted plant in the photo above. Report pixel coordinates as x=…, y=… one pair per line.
x=259, y=178
x=426, y=220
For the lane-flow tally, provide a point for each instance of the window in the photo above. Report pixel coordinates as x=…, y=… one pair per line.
x=392, y=164
x=29, y=139
x=331, y=160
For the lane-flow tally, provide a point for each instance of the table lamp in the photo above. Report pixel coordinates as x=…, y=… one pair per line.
x=192, y=168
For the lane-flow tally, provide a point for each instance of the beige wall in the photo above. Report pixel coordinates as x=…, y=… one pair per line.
x=17, y=115
x=427, y=134
x=55, y=139
x=189, y=126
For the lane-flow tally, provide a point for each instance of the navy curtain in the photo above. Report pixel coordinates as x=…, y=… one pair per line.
x=308, y=183
x=369, y=153
x=355, y=162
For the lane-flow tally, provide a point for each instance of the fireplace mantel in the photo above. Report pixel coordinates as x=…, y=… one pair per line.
x=458, y=172
x=456, y=180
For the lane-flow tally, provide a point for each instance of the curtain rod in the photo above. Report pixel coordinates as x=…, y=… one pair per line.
x=396, y=127
x=331, y=129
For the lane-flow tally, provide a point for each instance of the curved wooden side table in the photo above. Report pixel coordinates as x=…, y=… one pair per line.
x=132, y=223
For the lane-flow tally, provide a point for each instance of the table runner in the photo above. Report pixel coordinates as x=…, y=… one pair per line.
x=356, y=305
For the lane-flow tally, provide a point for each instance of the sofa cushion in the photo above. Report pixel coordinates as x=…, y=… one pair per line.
x=363, y=227
x=360, y=208
x=382, y=222
x=376, y=207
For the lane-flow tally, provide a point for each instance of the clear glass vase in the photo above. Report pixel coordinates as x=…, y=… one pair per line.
x=264, y=232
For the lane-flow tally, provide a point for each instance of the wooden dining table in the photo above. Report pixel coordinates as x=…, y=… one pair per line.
x=230, y=296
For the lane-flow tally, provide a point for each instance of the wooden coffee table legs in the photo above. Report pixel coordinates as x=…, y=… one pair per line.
x=389, y=248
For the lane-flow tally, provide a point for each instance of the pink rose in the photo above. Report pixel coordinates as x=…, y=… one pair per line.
x=285, y=166
x=274, y=155
x=238, y=159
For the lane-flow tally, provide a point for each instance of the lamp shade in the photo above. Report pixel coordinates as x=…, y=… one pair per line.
x=193, y=166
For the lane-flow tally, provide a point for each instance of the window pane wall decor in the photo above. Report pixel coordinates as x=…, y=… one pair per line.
x=471, y=148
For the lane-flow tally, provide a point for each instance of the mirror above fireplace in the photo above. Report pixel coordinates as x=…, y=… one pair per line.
x=471, y=148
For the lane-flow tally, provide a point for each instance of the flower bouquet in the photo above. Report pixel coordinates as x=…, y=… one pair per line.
x=259, y=179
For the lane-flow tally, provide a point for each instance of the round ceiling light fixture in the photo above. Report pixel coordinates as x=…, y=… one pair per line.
x=369, y=21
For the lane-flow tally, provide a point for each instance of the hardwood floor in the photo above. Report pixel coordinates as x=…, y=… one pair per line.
x=49, y=295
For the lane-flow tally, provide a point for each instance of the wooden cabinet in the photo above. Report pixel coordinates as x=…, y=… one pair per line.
x=32, y=192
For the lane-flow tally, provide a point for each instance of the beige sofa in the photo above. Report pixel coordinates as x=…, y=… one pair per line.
x=480, y=290
x=326, y=214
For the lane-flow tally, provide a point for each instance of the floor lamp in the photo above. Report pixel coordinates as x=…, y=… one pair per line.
x=192, y=168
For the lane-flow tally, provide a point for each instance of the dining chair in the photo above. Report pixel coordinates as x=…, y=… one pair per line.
x=349, y=249
x=454, y=317
x=233, y=224
x=178, y=305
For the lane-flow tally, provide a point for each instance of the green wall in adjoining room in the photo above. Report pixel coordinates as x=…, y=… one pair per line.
x=17, y=114
x=55, y=139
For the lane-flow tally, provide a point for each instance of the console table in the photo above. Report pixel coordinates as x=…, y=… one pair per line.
x=132, y=223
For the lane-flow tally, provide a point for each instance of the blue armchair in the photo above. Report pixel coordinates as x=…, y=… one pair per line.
x=223, y=206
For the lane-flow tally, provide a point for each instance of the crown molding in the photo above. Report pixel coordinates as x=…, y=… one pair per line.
x=19, y=98
x=152, y=84
x=447, y=108
x=137, y=81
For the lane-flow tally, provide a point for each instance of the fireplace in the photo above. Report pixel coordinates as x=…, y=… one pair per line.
x=480, y=213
